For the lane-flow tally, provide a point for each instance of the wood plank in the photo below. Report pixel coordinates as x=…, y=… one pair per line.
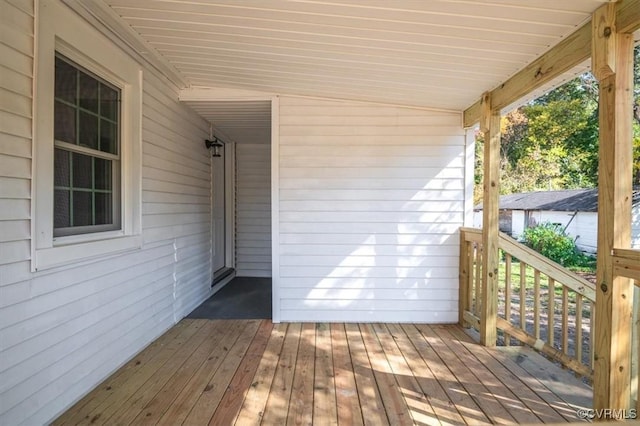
x=419, y=405
x=433, y=390
x=229, y=406
x=561, y=382
x=553, y=400
x=578, y=327
x=614, y=294
x=603, y=48
x=196, y=348
x=106, y=389
x=373, y=412
x=348, y=403
x=571, y=51
x=536, y=303
x=464, y=402
x=490, y=127
x=116, y=396
x=275, y=412
x=397, y=411
x=503, y=394
x=523, y=295
x=324, y=390
x=627, y=263
x=565, y=321
x=507, y=294
x=257, y=395
x=543, y=347
x=201, y=390
x=140, y=413
x=301, y=403
x=250, y=372
x=510, y=380
x=463, y=279
x=551, y=311
x=490, y=406
x=477, y=281
x=628, y=16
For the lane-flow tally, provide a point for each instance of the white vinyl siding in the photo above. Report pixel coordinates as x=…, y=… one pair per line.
x=65, y=329
x=371, y=199
x=583, y=228
x=253, y=210
x=16, y=69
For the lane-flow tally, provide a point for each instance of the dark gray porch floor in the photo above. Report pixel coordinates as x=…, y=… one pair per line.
x=242, y=298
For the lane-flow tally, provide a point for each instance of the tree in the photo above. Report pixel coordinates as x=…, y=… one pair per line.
x=552, y=142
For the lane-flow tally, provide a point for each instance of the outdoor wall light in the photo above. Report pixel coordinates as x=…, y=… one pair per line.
x=215, y=144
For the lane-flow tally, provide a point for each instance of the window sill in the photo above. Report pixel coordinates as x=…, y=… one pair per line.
x=72, y=253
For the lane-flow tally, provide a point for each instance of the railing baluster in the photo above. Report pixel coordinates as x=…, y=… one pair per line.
x=478, y=280
x=551, y=316
x=578, y=340
x=471, y=278
x=507, y=295
x=592, y=321
x=523, y=295
x=536, y=303
x=576, y=293
x=565, y=320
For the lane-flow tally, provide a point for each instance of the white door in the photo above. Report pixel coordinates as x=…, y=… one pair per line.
x=218, y=217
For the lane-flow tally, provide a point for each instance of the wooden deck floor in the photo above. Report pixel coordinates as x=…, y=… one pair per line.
x=254, y=372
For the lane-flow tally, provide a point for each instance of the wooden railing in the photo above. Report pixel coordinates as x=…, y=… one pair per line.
x=540, y=303
x=626, y=263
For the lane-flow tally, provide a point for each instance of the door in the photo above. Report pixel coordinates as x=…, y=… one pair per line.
x=218, y=216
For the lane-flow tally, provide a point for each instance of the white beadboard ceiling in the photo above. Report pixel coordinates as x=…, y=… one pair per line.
x=429, y=53
x=237, y=121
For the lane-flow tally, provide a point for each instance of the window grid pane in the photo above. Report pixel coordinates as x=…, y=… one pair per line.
x=88, y=181
x=86, y=115
x=95, y=104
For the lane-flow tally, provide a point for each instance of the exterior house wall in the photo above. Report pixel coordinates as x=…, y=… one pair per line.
x=64, y=329
x=517, y=223
x=253, y=210
x=583, y=228
x=370, y=202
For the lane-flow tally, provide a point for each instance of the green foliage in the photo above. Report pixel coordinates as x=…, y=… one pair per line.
x=552, y=142
x=550, y=241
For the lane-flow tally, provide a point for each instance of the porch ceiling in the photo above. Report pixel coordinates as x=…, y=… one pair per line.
x=438, y=53
x=237, y=121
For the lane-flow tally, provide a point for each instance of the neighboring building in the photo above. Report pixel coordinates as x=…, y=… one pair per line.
x=574, y=210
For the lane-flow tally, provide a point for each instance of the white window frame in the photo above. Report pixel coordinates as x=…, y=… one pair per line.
x=61, y=30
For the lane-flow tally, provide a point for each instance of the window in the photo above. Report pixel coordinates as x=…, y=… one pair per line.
x=87, y=184
x=86, y=156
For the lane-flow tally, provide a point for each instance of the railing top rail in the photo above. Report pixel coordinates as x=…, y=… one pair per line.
x=470, y=230
x=542, y=263
x=627, y=263
x=548, y=267
x=471, y=234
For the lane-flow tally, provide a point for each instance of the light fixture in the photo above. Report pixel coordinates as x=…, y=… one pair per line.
x=215, y=144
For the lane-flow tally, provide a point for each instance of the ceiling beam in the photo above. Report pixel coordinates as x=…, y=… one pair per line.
x=571, y=51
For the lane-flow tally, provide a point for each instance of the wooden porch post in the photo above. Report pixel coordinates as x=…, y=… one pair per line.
x=490, y=126
x=612, y=64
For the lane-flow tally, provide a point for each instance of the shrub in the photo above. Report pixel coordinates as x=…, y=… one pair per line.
x=549, y=240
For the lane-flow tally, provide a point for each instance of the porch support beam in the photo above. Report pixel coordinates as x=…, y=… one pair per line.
x=490, y=126
x=612, y=65
x=571, y=51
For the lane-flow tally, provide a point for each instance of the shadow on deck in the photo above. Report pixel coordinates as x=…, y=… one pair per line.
x=252, y=371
